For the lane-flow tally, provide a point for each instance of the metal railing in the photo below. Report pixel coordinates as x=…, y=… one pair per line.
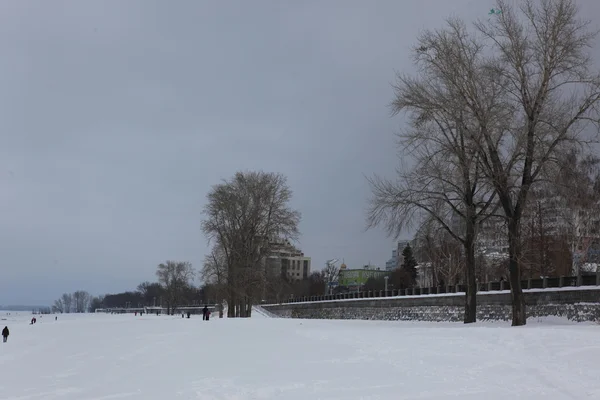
x=543, y=283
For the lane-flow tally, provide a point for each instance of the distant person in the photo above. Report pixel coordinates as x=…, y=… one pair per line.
x=5, y=333
x=188, y=314
x=205, y=313
x=56, y=318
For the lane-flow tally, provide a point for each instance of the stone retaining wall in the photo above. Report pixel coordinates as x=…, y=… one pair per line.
x=577, y=304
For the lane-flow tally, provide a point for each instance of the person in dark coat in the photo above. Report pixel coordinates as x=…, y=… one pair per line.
x=5, y=334
x=207, y=314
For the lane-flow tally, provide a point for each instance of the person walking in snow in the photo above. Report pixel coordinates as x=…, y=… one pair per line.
x=5, y=334
x=204, y=313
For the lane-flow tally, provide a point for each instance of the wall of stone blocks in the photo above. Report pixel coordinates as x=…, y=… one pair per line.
x=576, y=304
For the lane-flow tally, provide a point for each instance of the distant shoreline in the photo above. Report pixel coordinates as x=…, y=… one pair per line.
x=21, y=308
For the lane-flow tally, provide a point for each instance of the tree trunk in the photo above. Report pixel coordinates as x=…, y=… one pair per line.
x=519, y=316
x=243, y=307
x=471, y=293
x=231, y=303
x=249, y=311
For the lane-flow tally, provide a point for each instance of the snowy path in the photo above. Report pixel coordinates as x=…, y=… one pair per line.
x=103, y=357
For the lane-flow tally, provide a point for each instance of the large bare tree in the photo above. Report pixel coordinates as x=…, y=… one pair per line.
x=446, y=184
x=541, y=57
x=175, y=277
x=242, y=216
x=525, y=79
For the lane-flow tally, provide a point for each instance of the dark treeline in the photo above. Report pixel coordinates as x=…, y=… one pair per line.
x=149, y=294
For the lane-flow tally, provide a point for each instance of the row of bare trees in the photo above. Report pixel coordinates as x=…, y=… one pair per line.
x=76, y=302
x=491, y=113
x=174, y=287
x=242, y=217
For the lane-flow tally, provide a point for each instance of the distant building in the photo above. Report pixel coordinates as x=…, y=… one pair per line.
x=287, y=260
x=399, y=249
x=392, y=263
x=353, y=279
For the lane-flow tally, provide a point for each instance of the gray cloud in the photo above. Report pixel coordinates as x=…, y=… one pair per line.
x=117, y=117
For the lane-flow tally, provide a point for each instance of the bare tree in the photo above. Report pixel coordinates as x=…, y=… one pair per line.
x=214, y=271
x=331, y=272
x=95, y=303
x=59, y=306
x=515, y=92
x=278, y=287
x=150, y=291
x=175, y=277
x=434, y=246
x=542, y=61
x=81, y=300
x=67, y=302
x=242, y=216
x=446, y=184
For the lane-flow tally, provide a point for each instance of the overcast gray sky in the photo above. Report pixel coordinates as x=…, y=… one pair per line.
x=116, y=117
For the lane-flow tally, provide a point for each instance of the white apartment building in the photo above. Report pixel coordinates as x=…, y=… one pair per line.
x=287, y=260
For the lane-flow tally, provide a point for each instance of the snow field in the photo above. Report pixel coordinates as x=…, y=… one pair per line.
x=102, y=357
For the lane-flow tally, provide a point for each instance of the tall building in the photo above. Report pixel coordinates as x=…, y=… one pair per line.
x=287, y=260
x=392, y=263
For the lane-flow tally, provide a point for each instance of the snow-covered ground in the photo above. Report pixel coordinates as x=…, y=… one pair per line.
x=102, y=357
